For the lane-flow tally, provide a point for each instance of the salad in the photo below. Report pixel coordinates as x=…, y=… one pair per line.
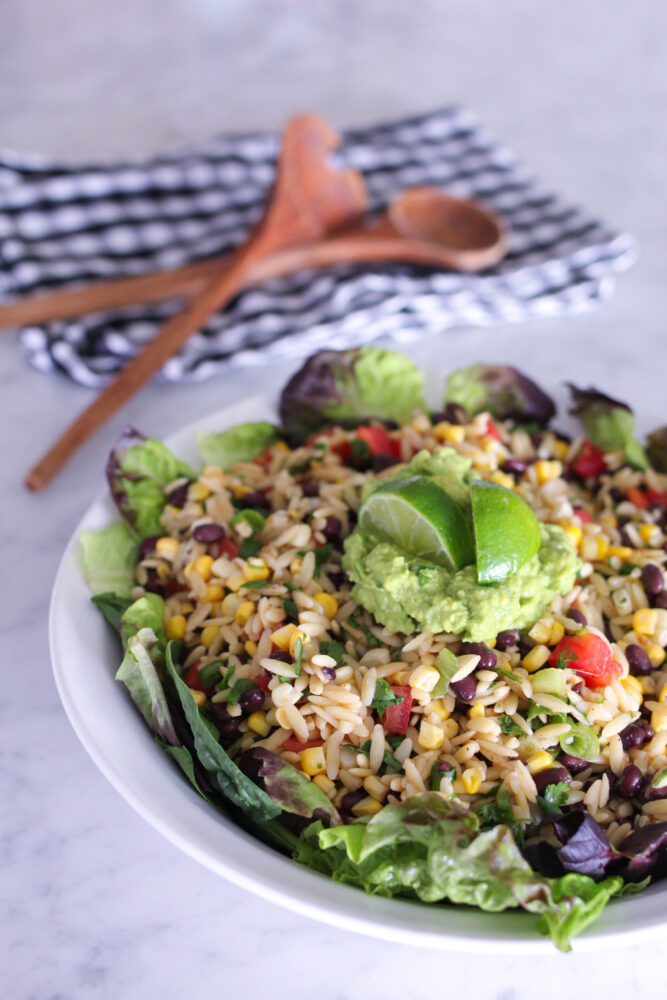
x=421, y=652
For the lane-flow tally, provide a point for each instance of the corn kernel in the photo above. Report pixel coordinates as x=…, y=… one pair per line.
x=166, y=547
x=229, y=605
x=656, y=654
x=573, y=532
x=561, y=449
x=438, y=707
x=329, y=604
x=502, y=479
x=240, y=490
x=557, y=633
x=663, y=693
x=644, y=621
x=603, y=547
x=430, y=736
x=476, y=712
x=491, y=643
x=235, y=581
x=367, y=807
x=162, y=570
x=198, y=492
x=401, y=677
x=424, y=678
x=281, y=446
x=208, y=634
x=250, y=647
x=632, y=684
x=471, y=779
x=646, y=684
x=376, y=788
x=294, y=638
x=623, y=552
x=175, y=627
x=324, y=783
x=243, y=612
x=445, y=431
x=536, y=658
x=541, y=630
x=647, y=532
x=203, y=567
x=256, y=571
x=187, y=607
x=546, y=471
x=214, y=592
x=312, y=760
x=281, y=637
x=296, y=565
x=658, y=721
x=199, y=697
x=257, y=721
x=539, y=762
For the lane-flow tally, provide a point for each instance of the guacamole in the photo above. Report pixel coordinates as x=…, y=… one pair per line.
x=409, y=594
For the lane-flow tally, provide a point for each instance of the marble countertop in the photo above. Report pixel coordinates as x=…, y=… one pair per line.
x=95, y=904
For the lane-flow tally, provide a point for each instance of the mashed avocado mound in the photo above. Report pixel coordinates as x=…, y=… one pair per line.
x=408, y=594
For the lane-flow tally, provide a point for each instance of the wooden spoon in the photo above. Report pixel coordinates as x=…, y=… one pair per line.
x=309, y=199
x=421, y=226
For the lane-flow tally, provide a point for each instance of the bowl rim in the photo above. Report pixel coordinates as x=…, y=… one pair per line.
x=243, y=859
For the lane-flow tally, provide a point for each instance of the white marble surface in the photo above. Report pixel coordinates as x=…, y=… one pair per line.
x=93, y=903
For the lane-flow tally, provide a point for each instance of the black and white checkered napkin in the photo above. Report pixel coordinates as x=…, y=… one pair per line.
x=61, y=226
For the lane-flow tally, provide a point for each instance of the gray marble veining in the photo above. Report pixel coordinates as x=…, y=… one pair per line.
x=94, y=903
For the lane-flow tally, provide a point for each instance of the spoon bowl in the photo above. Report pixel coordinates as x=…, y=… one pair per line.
x=431, y=216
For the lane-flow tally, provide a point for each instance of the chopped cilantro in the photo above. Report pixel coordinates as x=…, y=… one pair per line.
x=335, y=650
x=371, y=639
x=553, y=797
x=627, y=568
x=249, y=547
x=565, y=657
x=290, y=607
x=365, y=748
x=497, y=810
x=437, y=775
x=256, y=584
x=361, y=453
x=299, y=467
x=508, y=726
x=384, y=697
x=507, y=673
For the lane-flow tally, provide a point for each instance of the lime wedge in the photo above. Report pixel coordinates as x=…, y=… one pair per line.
x=507, y=533
x=420, y=518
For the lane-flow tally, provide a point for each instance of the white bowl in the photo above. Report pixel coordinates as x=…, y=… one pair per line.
x=85, y=656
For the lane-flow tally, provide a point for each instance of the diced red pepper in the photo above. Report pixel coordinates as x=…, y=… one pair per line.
x=590, y=656
x=265, y=458
x=343, y=450
x=263, y=681
x=294, y=744
x=653, y=496
x=379, y=441
x=583, y=515
x=191, y=677
x=492, y=430
x=395, y=718
x=637, y=497
x=589, y=461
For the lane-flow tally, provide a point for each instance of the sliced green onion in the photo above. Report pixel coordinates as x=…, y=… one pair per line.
x=660, y=779
x=581, y=741
x=252, y=518
x=550, y=680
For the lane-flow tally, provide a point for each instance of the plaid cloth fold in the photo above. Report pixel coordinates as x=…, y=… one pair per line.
x=62, y=226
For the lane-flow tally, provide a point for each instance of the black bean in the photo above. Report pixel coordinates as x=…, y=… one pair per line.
x=350, y=799
x=281, y=655
x=337, y=579
x=206, y=533
x=507, y=639
x=148, y=545
x=452, y=414
x=638, y=660
x=550, y=776
x=629, y=783
x=653, y=580
x=651, y=793
x=611, y=779
x=153, y=583
x=577, y=616
x=661, y=601
x=625, y=538
x=487, y=658
x=617, y=495
x=329, y=673
x=251, y=700
x=381, y=462
x=647, y=727
x=633, y=736
x=178, y=496
x=227, y=725
x=515, y=466
x=577, y=687
x=573, y=764
x=332, y=528
x=536, y=438
x=310, y=487
x=465, y=689
x=256, y=499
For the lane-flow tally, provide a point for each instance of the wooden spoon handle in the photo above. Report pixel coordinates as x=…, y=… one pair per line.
x=140, y=369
